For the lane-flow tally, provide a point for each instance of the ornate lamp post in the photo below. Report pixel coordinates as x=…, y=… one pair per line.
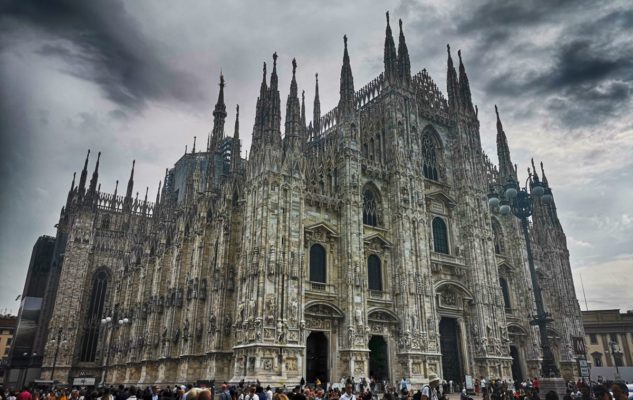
x=57, y=341
x=108, y=323
x=512, y=199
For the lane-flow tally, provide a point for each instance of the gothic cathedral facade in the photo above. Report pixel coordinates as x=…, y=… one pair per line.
x=360, y=244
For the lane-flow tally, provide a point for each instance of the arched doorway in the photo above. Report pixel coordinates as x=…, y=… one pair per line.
x=317, y=357
x=378, y=358
x=516, y=364
x=451, y=354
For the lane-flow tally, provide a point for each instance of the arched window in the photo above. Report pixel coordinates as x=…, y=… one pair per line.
x=318, y=264
x=93, y=317
x=430, y=162
x=105, y=222
x=370, y=207
x=374, y=271
x=440, y=236
x=506, y=292
x=498, y=237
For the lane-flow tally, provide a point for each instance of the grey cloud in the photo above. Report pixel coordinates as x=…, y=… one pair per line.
x=100, y=42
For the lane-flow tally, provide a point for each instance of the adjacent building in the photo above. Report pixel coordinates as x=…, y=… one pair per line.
x=7, y=333
x=38, y=297
x=609, y=342
x=358, y=244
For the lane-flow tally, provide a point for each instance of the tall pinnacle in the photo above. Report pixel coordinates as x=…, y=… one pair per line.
x=346, y=101
x=452, y=85
x=506, y=170
x=404, y=64
x=95, y=176
x=272, y=114
x=236, y=146
x=260, y=109
x=84, y=175
x=219, y=116
x=390, y=57
x=293, y=111
x=130, y=182
x=464, y=86
x=316, y=109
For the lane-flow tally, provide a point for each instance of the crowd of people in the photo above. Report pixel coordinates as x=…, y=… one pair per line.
x=348, y=389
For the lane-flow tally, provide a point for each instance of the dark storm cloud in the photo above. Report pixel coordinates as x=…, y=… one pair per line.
x=572, y=63
x=100, y=42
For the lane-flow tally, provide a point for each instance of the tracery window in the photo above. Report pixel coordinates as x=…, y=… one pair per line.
x=498, y=237
x=370, y=207
x=374, y=272
x=440, y=236
x=430, y=163
x=318, y=264
x=505, y=291
x=105, y=222
x=93, y=317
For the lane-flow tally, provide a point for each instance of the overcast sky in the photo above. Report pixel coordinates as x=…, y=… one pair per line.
x=138, y=80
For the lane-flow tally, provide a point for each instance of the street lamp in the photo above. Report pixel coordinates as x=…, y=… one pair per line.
x=29, y=363
x=512, y=199
x=108, y=323
x=57, y=341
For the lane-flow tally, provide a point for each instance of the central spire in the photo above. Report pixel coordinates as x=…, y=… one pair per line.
x=346, y=101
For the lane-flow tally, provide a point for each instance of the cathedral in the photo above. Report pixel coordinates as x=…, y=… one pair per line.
x=359, y=244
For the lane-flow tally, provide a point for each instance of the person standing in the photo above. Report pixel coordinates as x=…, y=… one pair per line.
x=348, y=395
x=429, y=392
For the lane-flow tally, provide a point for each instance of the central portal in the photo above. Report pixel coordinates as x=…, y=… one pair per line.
x=451, y=354
x=317, y=357
x=378, y=359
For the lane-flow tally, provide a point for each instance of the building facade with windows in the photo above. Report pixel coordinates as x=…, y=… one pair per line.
x=359, y=244
x=7, y=333
x=609, y=342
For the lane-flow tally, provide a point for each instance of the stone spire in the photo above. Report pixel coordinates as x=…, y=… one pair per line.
x=293, y=111
x=316, y=109
x=219, y=116
x=83, y=176
x=464, y=86
x=506, y=170
x=260, y=109
x=95, y=176
x=346, y=101
x=130, y=183
x=543, y=177
x=390, y=57
x=452, y=85
x=158, y=195
x=236, y=158
x=272, y=117
x=404, y=64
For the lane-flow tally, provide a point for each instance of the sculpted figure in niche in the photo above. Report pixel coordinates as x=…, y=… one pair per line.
x=227, y=325
x=359, y=317
x=294, y=308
